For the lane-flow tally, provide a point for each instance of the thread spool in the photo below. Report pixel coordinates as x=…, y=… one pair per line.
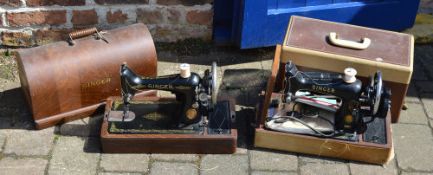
x=185, y=70
x=350, y=75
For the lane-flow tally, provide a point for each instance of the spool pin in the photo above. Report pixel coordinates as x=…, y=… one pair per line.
x=185, y=70
x=349, y=75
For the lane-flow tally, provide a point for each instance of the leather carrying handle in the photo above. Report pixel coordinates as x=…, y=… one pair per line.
x=364, y=44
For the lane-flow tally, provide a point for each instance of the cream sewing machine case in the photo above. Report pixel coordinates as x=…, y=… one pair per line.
x=363, y=149
x=329, y=46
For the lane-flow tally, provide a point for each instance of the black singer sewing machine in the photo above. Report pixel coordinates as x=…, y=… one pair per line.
x=195, y=99
x=193, y=121
x=328, y=104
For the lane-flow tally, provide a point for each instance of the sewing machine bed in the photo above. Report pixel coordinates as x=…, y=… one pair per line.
x=374, y=146
x=152, y=130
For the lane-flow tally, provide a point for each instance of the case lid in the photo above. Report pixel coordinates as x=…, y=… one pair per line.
x=348, y=43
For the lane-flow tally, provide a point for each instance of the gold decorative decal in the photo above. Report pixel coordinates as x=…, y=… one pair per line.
x=95, y=83
x=323, y=89
x=154, y=116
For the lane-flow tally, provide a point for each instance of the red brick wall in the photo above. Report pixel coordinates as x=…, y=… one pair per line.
x=37, y=22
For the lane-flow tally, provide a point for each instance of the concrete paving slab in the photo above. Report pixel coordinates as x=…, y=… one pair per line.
x=267, y=64
x=267, y=160
x=241, y=151
x=175, y=157
x=414, y=114
x=273, y=173
x=29, y=143
x=2, y=140
x=415, y=173
x=413, y=146
x=86, y=127
x=422, y=30
x=74, y=156
x=316, y=159
x=412, y=95
x=125, y=162
x=427, y=100
x=112, y=173
x=357, y=168
x=324, y=169
x=224, y=164
x=33, y=166
x=168, y=168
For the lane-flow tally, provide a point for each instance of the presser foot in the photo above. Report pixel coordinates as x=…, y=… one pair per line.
x=118, y=116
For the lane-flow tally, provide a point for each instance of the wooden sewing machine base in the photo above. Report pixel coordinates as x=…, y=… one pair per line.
x=198, y=143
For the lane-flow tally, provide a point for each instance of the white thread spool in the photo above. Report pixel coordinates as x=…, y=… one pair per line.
x=349, y=75
x=185, y=70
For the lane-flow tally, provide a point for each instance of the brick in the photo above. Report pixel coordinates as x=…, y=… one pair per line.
x=200, y=17
x=116, y=17
x=84, y=17
x=174, y=15
x=29, y=143
x=43, y=37
x=74, y=155
x=362, y=169
x=183, y=2
x=34, y=166
x=103, y=2
x=175, y=157
x=413, y=114
x=224, y=164
x=149, y=16
x=413, y=147
x=17, y=39
x=125, y=162
x=173, y=168
x=11, y=3
x=271, y=161
x=34, y=3
x=324, y=169
x=56, y=17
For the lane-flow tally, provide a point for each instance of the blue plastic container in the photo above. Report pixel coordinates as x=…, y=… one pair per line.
x=261, y=23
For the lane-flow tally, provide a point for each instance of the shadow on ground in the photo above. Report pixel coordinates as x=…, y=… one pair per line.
x=244, y=86
x=222, y=55
x=14, y=111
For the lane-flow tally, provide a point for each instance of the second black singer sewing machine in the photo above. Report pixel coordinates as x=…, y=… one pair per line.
x=329, y=105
